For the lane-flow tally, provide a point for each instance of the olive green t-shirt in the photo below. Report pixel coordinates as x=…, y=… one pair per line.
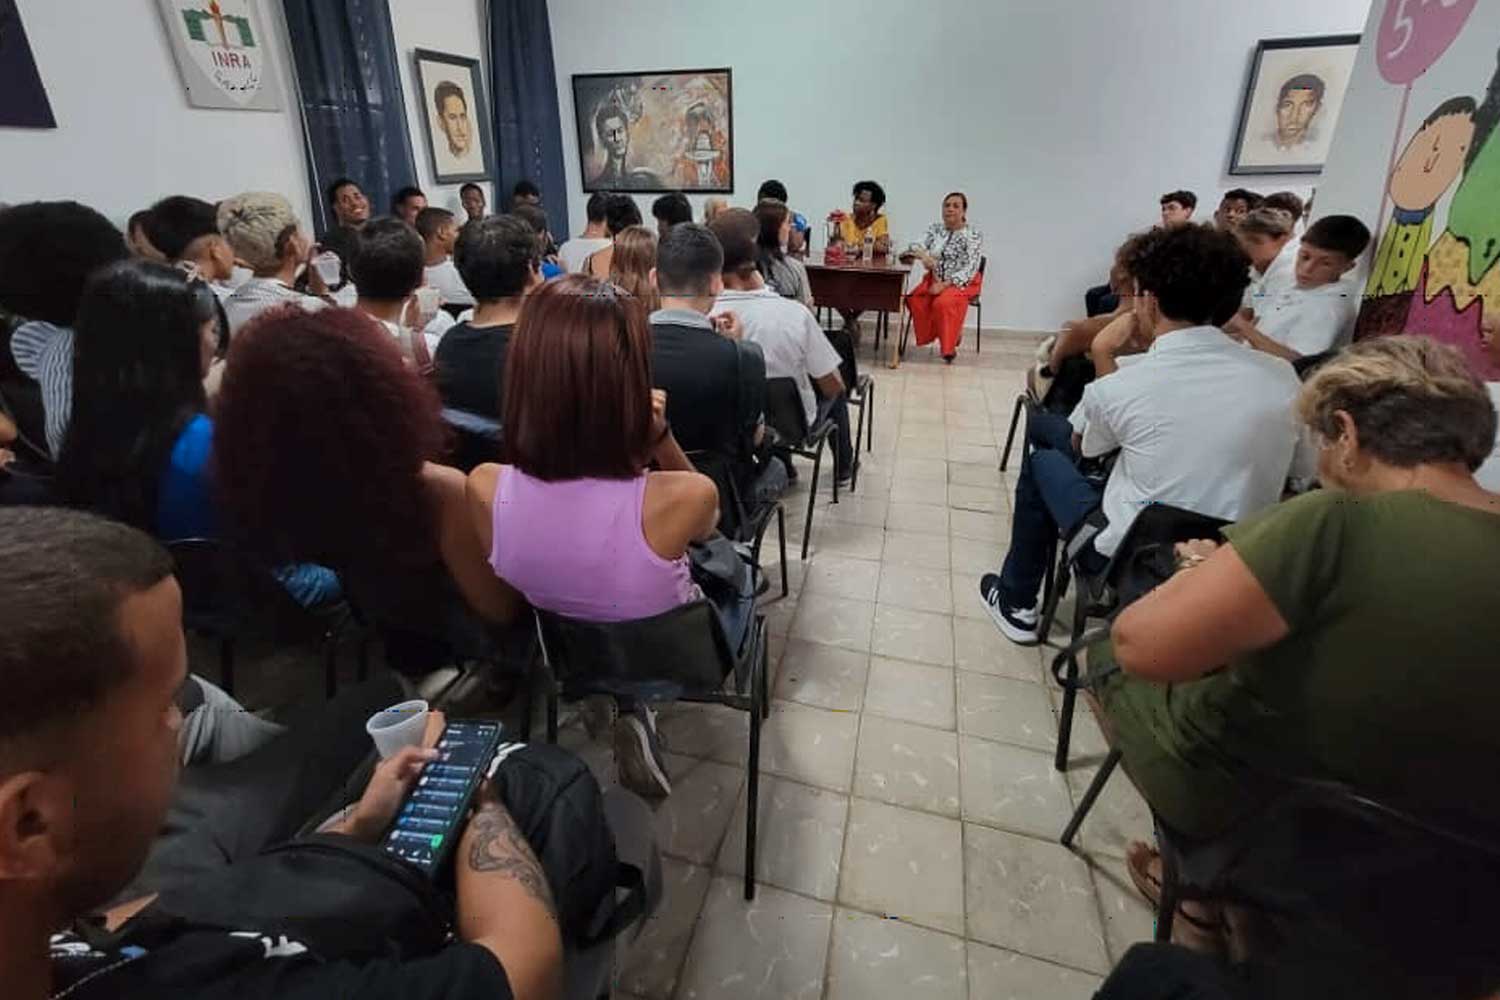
x=1389, y=678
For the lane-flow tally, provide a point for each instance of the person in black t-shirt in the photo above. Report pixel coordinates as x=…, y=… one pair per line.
x=92, y=661
x=715, y=382
x=499, y=262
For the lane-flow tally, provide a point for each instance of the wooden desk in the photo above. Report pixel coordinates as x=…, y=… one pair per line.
x=877, y=285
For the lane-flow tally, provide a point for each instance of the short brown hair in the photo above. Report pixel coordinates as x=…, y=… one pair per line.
x=577, y=391
x=737, y=230
x=1287, y=201
x=1414, y=401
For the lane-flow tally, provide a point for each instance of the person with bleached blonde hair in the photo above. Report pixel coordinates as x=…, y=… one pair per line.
x=266, y=236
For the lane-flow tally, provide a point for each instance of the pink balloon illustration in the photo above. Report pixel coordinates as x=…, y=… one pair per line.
x=1413, y=33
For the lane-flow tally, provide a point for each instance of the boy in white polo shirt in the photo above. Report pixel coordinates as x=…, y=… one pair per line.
x=1317, y=313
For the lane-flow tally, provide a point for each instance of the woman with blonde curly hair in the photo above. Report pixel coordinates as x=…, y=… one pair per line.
x=631, y=265
x=1356, y=626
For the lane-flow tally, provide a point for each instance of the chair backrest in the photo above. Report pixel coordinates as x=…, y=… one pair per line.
x=784, y=410
x=476, y=438
x=719, y=468
x=226, y=593
x=685, y=646
x=1337, y=870
x=1309, y=363
x=1146, y=558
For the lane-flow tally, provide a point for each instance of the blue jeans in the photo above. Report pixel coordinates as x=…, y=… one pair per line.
x=1052, y=498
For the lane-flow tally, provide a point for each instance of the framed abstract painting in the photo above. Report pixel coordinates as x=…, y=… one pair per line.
x=663, y=130
x=1292, y=103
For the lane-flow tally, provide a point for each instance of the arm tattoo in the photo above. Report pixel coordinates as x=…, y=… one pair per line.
x=498, y=846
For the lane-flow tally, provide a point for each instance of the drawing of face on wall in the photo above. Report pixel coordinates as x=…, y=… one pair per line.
x=453, y=117
x=703, y=147
x=655, y=131
x=1297, y=107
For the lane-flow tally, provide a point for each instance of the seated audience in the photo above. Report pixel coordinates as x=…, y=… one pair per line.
x=633, y=261
x=595, y=236
x=1347, y=635
x=578, y=520
x=387, y=271
x=715, y=383
x=95, y=660
x=187, y=232
x=1489, y=338
x=1266, y=236
x=525, y=192
x=47, y=252
x=351, y=209
x=137, y=447
x=1177, y=208
x=620, y=212
x=407, y=203
x=264, y=232
x=497, y=258
x=1289, y=203
x=1317, y=313
x=534, y=217
x=784, y=273
x=1234, y=206
x=866, y=218
x=471, y=197
x=951, y=253
x=140, y=446
x=712, y=206
x=786, y=332
x=326, y=447
x=138, y=239
x=439, y=232
x=1198, y=421
x=801, y=236
x=670, y=210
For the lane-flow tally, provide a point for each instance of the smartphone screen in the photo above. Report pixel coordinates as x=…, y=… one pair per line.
x=430, y=818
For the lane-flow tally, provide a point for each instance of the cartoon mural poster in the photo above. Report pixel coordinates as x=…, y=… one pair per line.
x=1432, y=275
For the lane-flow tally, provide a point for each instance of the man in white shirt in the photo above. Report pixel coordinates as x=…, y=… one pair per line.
x=1317, y=313
x=786, y=331
x=387, y=271
x=439, y=232
x=265, y=233
x=573, y=253
x=1198, y=421
x=1266, y=237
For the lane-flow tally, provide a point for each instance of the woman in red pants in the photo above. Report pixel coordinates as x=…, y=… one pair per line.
x=951, y=252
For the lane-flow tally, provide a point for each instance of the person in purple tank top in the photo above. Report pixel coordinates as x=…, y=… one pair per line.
x=593, y=513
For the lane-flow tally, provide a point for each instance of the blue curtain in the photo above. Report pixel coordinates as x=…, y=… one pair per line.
x=353, y=118
x=523, y=94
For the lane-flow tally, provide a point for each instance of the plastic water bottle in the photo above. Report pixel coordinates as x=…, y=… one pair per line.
x=869, y=253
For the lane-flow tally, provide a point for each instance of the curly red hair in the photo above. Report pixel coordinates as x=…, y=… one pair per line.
x=321, y=431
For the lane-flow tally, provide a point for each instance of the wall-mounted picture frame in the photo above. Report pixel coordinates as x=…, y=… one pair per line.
x=1291, y=104
x=223, y=53
x=455, y=116
x=656, y=131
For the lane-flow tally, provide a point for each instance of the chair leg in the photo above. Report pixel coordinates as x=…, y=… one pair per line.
x=1065, y=716
x=765, y=674
x=1087, y=802
x=752, y=795
x=870, y=402
x=226, y=665
x=978, y=325
x=905, y=329
x=1061, y=577
x=330, y=665
x=1171, y=896
x=1010, y=435
x=781, y=543
x=812, y=500
x=859, y=433
x=832, y=460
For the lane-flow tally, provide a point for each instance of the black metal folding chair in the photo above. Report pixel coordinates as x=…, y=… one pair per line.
x=785, y=415
x=476, y=438
x=686, y=647
x=742, y=521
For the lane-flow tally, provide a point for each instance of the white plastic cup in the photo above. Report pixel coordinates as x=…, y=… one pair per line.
x=401, y=725
x=327, y=264
x=429, y=299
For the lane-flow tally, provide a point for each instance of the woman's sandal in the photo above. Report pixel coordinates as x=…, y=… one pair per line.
x=1198, y=924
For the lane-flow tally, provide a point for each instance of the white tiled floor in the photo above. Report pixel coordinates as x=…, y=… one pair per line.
x=909, y=809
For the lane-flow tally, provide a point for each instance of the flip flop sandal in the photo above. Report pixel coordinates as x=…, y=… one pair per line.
x=1138, y=858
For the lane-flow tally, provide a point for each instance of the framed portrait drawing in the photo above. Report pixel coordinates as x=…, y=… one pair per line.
x=1292, y=104
x=664, y=130
x=455, y=117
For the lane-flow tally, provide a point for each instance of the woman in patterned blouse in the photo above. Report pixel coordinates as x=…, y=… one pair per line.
x=951, y=252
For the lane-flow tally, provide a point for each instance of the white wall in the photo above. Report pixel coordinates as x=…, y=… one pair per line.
x=126, y=135
x=1063, y=121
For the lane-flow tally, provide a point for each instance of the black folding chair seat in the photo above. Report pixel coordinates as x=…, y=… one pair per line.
x=784, y=415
